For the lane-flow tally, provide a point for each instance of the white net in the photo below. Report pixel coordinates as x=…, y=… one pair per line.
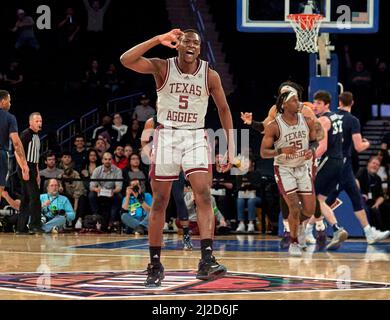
x=306, y=27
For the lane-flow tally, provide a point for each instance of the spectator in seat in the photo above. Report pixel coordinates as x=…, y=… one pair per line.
x=79, y=153
x=112, y=83
x=144, y=110
x=107, y=191
x=101, y=147
x=66, y=160
x=113, y=135
x=371, y=188
x=93, y=161
x=56, y=209
x=119, y=160
x=248, y=186
x=51, y=171
x=128, y=151
x=118, y=124
x=13, y=78
x=133, y=135
x=75, y=191
x=136, y=208
x=134, y=171
x=24, y=27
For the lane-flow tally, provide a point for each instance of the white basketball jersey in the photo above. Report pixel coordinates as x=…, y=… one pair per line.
x=182, y=100
x=296, y=135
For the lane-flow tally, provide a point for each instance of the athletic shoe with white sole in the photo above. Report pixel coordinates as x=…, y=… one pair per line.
x=338, y=238
x=374, y=235
x=295, y=250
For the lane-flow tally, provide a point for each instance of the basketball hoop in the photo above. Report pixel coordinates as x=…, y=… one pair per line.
x=306, y=27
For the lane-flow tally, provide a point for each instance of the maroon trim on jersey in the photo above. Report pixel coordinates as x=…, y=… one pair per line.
x=291, y=125
x=291, y=191
x=206, y=76
x=168, y=67
x=181, y=72
x=305, y=193
x=194, y=170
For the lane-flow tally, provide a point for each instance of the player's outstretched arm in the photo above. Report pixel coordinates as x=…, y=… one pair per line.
x=133, y=59
x=218, y=94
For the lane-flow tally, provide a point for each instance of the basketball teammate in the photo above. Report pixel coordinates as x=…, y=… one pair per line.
x=291, y=140
x=9, y=131
x=184, y=84
x=307, y=111
x=352, y=136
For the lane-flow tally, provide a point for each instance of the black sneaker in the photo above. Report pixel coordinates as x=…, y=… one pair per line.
x=187, y=242
x=155, y=276
x=210, y=269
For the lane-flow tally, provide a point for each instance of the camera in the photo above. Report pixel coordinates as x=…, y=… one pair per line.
x=135, y=189
x=58, y=212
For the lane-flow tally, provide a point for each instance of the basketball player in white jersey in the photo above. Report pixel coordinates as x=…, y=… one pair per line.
x=184, y=84
x=291, y=140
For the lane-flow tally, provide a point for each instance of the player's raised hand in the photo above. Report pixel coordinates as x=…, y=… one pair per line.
x=247, y=118
x=171, y=38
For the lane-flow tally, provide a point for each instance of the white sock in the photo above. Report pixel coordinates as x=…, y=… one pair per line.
x=320, y=226
x=286, y=226
x=367, y=228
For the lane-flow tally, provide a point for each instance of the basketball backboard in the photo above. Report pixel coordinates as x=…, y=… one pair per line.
x=340, y=16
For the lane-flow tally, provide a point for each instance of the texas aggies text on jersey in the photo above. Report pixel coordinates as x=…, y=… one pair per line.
x=183, y=98
x=292, y=135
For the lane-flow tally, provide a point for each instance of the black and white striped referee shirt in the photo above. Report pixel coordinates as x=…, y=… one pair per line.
x=31, y=145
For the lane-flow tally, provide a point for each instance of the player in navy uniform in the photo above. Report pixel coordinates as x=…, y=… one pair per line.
x=330, y=153
x=352, y=136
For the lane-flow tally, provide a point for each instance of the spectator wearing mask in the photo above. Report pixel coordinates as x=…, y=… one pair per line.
x=108, y=191
x=79, y=153
x=119, y=160
x=56, y=209
x=371, y=188
x=136, y=208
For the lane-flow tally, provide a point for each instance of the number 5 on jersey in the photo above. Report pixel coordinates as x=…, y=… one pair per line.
x=183, y=102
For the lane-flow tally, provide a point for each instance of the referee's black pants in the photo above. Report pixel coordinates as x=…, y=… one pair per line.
x=30, y=206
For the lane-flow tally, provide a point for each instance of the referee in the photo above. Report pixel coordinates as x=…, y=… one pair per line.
x=30, y=202
x=9, y=130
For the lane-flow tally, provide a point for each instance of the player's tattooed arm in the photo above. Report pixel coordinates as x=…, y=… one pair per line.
x=319, y=131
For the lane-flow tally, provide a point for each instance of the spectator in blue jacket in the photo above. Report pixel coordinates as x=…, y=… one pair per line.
x=137, y=206
x=56, y=209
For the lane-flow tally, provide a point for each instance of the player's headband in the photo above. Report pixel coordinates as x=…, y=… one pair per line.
x=291, y=94
x=287, y=88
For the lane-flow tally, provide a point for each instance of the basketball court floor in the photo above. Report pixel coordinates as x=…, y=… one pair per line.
x=84, y=266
